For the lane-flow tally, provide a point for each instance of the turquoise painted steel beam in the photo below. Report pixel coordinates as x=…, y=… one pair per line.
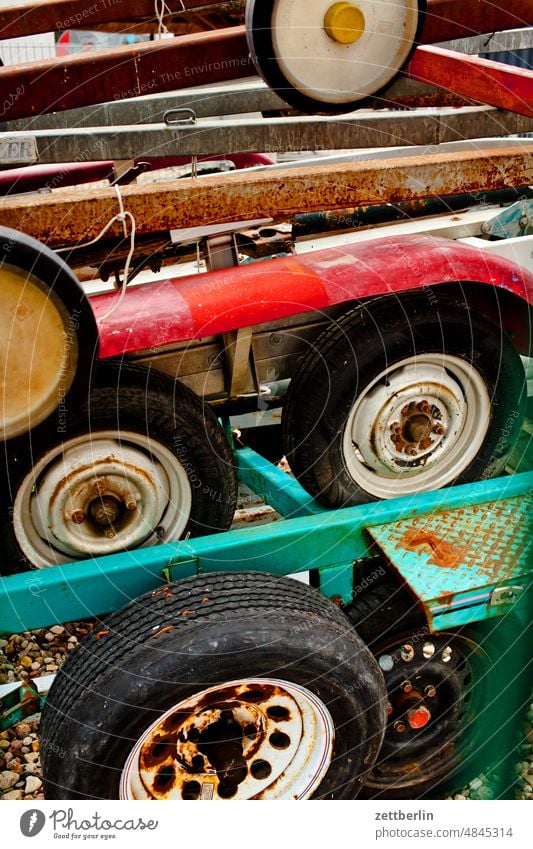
x=328, y=539
x=276, y=488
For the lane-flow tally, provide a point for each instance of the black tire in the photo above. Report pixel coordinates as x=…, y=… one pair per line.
x=39, y=268
x=263, y=52
x=347, y=360
x=203, y=631
x=131, y=402
x=481, y=691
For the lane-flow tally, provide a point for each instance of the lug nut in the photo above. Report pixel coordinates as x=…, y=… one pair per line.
x=131, y=504
x=423, y=406
x=99, y=486
x=389, y=708
x=438, y=429
x=109, y=533
x=430, y=691
x=399, y=727
x=407, y=687
x=78, y=517
x=411, y=451
x=395, y=426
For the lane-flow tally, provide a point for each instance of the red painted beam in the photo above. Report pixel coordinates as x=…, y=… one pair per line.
x=482, y=80
x=56, y=15
x=83, y=79
x=450, y=19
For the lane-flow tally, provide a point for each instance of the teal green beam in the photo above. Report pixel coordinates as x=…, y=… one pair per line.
x=328, y=539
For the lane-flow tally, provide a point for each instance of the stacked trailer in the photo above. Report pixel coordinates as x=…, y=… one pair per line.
x=396, y=359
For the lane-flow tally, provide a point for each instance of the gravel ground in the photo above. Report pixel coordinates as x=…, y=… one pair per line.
x=22, y=656
x=37, y=653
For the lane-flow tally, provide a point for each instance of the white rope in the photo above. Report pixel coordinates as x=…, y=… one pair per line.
x=161, y=9
x=122, y=217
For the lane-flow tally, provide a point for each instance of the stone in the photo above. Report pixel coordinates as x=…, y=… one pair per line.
x=33, y=784
x=57, y=629
x=26, y=661
x=8, y=778
x=476, y=784
x=31, y=757
x=13, y=795
x=22, y=730
x=27, y=741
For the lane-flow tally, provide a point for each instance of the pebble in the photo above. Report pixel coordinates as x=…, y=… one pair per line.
x=13, y=795
x=32, y=784
x=31, y=757
x=8, y=778
x=26, y=661
x=57, y=629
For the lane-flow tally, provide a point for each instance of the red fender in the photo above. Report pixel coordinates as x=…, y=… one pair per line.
x=177, y=310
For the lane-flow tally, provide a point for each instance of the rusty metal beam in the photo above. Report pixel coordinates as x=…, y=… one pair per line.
x=448, y=19
x=476, y=78
x=75, y=216
x=445, y=19
x=87, y=78
x=56, y=15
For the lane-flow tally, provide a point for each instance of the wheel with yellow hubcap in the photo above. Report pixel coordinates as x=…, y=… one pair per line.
x=329, y=57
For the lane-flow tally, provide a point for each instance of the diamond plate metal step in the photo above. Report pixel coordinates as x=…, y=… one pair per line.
x=454, y=560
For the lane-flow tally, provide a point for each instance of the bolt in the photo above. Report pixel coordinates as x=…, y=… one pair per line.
x=395, y=426
x=78, y=517
x=399, y=727
x=438, y=429
x=407, y=686
x=99, y=486
x=423, y=406
x=389, y=708
x=411, y=451
x=131, y=504
x=109, y=533
x=430, y=691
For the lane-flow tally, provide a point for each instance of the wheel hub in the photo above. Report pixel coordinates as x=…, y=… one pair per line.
x=253, y=739
x=98, y=495
x=428, y=689
x=344, y=22
x=417, y=425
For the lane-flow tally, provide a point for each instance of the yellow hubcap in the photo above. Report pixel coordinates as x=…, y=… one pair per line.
x=344, y=23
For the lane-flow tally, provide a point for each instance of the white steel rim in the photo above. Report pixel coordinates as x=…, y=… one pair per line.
x=98, y=494
x=417, y=426
x=284, y=733
x=329, y=71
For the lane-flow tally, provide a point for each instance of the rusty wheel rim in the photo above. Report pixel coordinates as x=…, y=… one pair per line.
x=257, y=738
x=417, y=426
x=433, y=709
x=100, y=493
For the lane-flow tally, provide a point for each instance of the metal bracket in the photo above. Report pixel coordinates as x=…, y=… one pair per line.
x=516, y=220
x=505, y=595
x=178, y=569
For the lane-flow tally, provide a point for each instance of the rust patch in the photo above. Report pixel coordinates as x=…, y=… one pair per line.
x=442, y=553
x=100, y=634
x=162, y=630
x=187, y=612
